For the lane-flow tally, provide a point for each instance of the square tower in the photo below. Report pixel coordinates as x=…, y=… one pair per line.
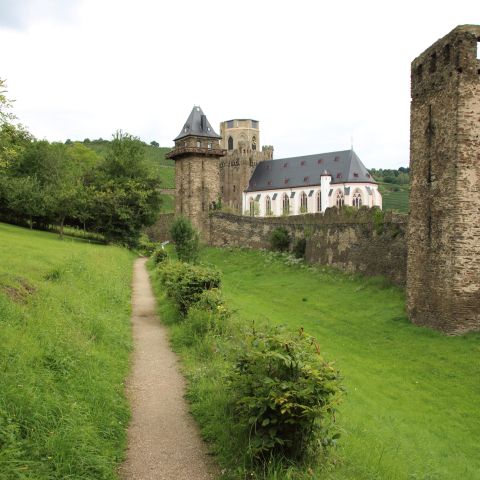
x=443, y=271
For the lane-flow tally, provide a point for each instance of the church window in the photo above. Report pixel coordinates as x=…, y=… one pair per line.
x=285, y=204
x=230, y=143
x=340, y=199
x=303, y=203
x=254, y=142
x=268, y=205
x=319, y=201
x=357, y=199
x=252, y=206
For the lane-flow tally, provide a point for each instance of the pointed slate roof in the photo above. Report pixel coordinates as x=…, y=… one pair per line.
x=343, y=167
x=197, y=125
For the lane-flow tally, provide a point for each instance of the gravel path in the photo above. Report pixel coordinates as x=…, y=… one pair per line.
x=163, y=441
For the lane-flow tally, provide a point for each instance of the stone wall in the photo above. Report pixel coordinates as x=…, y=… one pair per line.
x=364, y=241
x=443, y=286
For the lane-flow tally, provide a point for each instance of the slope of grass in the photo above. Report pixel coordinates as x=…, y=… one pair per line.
x=395, y=197
x=167, y=204
x=411, y=404
x=65, y=342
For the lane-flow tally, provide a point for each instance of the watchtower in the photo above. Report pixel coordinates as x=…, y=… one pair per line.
x=197, y=152
x=443, y=271
x=241, y=140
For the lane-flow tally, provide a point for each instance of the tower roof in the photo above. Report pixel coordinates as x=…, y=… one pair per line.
x=197, y=125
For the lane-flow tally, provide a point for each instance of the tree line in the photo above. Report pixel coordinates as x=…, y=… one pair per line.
x=44, y=184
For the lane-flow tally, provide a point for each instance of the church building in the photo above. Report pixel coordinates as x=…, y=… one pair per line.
x=310, y=184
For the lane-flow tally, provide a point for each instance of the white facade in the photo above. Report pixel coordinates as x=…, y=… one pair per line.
x=310, y=199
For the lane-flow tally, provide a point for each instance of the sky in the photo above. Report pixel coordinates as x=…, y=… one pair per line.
x=319, y=75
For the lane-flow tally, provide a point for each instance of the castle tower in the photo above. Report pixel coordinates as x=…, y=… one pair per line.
x=196, y=153
x=241, y=140
x=443, y=272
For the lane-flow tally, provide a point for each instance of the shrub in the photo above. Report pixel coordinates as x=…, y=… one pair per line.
x=146, y=246
x=299, y=248
x=185, y=238
x=285, y=394
x=159, y=256
x=184, y=283
x=280, y=239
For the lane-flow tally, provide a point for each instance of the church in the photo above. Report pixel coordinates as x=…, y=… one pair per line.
x=232, y=171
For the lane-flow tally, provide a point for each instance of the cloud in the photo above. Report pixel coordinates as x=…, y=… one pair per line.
x=19, y=14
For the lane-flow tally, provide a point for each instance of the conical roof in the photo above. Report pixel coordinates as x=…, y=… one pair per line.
x=197, y=125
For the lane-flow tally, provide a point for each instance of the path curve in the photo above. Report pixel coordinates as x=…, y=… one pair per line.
x=163, y=440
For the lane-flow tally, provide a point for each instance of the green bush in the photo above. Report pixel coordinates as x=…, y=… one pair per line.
x=159, y=256
x=186, y=240
x=280, y=239
x=285, y=395
x=184, y=283
x=299, y=248
x=146, y=246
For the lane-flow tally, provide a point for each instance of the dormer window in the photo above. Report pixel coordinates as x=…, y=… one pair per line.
x=337, y=159
x=339, y=175
x=285, y=165
x=368, y=175
x=355, y=174
x=320, y=160
x=269, y=183
x=302, y=163
x=305, y=179
x=286, y=180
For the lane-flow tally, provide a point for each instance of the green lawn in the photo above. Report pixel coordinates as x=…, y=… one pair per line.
x=411, y=408
x=64, y=355
x=395, y=197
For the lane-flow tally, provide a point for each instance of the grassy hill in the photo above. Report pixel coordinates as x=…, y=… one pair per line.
x=64, y=355
x=409, y=411
x=395, y=197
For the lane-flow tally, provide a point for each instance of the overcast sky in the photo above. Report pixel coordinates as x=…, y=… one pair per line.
x=315, y=73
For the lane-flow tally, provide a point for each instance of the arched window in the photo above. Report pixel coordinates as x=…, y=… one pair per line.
x=303, y=203
x=254, y=142
x=340, y=199
x=357, y=199
x=268, y=205
x=230, y=143
x=319, y=201
x=285, y=204
x=252, y=207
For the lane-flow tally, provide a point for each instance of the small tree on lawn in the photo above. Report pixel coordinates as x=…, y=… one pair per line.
x=185, y=238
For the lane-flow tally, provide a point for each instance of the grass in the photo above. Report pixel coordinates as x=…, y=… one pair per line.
x=64, y=354
x=410, y=411
x=167, y=204
x=395, y=197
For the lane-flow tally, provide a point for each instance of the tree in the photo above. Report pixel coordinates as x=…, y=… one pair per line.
x=153, y=143
x=5, y=104
x=185, y=238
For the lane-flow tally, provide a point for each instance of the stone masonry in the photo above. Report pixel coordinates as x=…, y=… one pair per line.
x=443, y=271
x=241, y=140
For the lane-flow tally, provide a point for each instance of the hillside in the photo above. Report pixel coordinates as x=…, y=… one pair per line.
x=64, y=355
x=395, y=197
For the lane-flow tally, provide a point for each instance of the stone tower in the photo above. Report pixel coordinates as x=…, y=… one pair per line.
x=443, y=272
x=241, y=140
x=197, y=154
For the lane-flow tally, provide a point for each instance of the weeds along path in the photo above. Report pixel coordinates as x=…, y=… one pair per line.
x=163, y=441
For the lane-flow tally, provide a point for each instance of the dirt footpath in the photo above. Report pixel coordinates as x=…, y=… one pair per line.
x=163, y=440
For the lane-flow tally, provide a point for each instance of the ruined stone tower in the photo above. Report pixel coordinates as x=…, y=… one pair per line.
x=241, y=140
x=443, y=272
x=197, y=155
